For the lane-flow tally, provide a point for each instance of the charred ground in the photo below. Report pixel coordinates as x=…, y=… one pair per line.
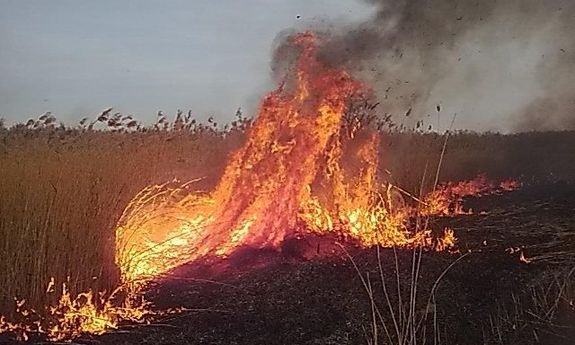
x=488, y=297
x=294, y=297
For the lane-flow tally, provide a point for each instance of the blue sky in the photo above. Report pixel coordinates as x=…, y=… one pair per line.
x=77, y=57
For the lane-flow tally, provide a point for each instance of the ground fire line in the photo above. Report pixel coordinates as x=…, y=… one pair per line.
x=299, y=171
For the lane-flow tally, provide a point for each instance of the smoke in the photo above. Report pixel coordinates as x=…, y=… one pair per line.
x=500, y=65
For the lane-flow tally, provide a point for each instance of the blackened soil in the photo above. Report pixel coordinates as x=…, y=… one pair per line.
x=525, y=240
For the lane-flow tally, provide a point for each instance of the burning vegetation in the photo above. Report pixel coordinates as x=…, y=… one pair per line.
x=317, y=165
x=299, y=171
x=304, y=168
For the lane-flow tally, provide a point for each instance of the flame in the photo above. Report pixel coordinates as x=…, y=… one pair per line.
x=447, y=200
x=298, y=170
x=84, y=313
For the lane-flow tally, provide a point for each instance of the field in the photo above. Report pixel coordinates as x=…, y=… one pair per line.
x=62, y=191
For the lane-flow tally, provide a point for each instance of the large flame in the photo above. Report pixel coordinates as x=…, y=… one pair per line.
x=299, y=171
x=289, y=175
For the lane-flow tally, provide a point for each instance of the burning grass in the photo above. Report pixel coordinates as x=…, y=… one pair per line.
x=300, y=167
x=74, y=196
x=62, y=193
x=298, y=171
x=73, y=316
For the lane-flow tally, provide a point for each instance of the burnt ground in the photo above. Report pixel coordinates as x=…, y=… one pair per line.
x=501, y=292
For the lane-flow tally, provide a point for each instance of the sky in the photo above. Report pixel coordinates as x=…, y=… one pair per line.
x=75, y=58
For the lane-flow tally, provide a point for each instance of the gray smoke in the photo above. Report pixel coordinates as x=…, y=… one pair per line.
x=506, y=65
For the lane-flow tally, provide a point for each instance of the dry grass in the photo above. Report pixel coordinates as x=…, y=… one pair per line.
x=534, y=157
x=62, y=190
x=542, y=314
x=403, y=309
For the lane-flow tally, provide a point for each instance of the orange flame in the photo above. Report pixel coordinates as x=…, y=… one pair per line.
x=298, y=170
x=447, y=200
x=289, y=174
x=72, y=316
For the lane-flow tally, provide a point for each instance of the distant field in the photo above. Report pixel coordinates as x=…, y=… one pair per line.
x=63, y=190
x=531, y=157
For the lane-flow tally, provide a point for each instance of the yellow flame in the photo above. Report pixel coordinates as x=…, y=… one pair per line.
x=72, y=316
x=297, y=171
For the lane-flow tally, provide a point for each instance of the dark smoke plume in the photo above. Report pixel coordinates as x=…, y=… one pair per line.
x=498, y=64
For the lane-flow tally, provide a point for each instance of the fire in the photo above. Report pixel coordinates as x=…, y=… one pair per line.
x=72, y=316
x=447, y=200
x=298, y=170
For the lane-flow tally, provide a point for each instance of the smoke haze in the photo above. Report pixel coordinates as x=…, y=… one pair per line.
x=497, y=64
